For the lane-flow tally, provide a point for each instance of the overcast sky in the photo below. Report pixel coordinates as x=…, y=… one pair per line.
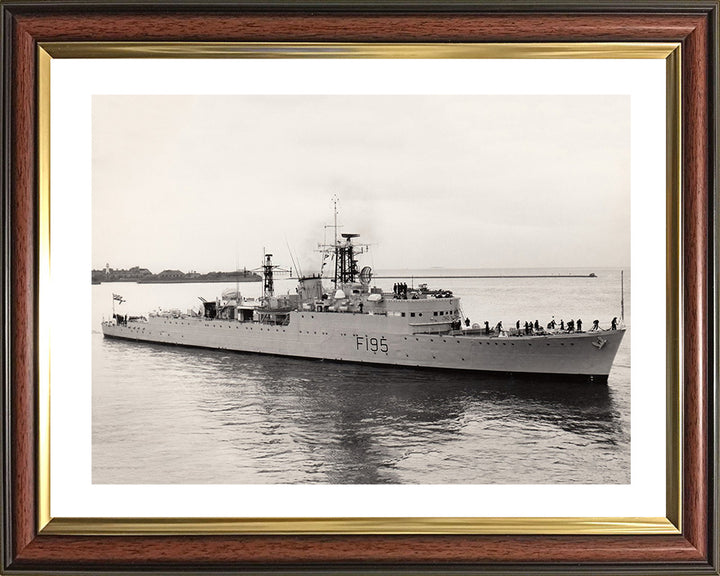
x=203, y=182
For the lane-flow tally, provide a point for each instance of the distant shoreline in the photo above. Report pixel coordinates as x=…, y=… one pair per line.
x=403, y=277
x=201, y=280
x=181, y=280
x=396, y=277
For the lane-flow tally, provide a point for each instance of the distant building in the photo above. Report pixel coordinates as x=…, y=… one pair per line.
x=137, y=272
x=171, y=274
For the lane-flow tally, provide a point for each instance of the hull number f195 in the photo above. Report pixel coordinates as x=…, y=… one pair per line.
x=371, y=344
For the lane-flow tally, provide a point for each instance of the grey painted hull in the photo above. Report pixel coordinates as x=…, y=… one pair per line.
x=378, y=339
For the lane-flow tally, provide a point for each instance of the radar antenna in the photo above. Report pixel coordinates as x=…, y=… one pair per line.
x=366, y=275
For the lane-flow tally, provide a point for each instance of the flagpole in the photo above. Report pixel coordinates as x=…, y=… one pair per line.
x=622, y=295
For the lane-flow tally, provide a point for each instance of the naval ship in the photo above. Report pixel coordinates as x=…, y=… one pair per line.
x=350, y=320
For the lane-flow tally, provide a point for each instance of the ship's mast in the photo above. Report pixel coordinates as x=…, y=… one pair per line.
x=345, y=252
x=335, y=201
x=336, y=244
x=268, y=284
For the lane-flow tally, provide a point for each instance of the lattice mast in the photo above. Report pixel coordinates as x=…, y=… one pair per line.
x=268, y=282
x=344, y=252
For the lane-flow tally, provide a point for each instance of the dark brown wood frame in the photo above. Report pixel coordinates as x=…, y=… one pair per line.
x=692, y=23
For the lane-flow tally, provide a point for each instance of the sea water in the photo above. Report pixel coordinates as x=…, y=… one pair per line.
x=167, y=414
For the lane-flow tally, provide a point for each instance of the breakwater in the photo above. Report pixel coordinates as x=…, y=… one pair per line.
x=440, y=276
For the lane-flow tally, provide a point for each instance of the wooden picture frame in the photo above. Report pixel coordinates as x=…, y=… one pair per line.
x=31, y=546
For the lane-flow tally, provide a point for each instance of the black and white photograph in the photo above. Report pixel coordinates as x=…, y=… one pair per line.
x=356, y=285
x=361, y=289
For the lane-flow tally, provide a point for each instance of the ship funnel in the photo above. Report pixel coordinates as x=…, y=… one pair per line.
x=310, y=288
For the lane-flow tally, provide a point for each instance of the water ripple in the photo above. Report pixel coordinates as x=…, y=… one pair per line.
x=196, y=416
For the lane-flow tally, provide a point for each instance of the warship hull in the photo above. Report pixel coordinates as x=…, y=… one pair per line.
x=378, y=339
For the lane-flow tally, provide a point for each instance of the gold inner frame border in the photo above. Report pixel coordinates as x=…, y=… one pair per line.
x=670, y=524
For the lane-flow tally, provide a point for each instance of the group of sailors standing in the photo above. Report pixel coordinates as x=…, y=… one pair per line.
x=529, y=328
x=120, y=319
